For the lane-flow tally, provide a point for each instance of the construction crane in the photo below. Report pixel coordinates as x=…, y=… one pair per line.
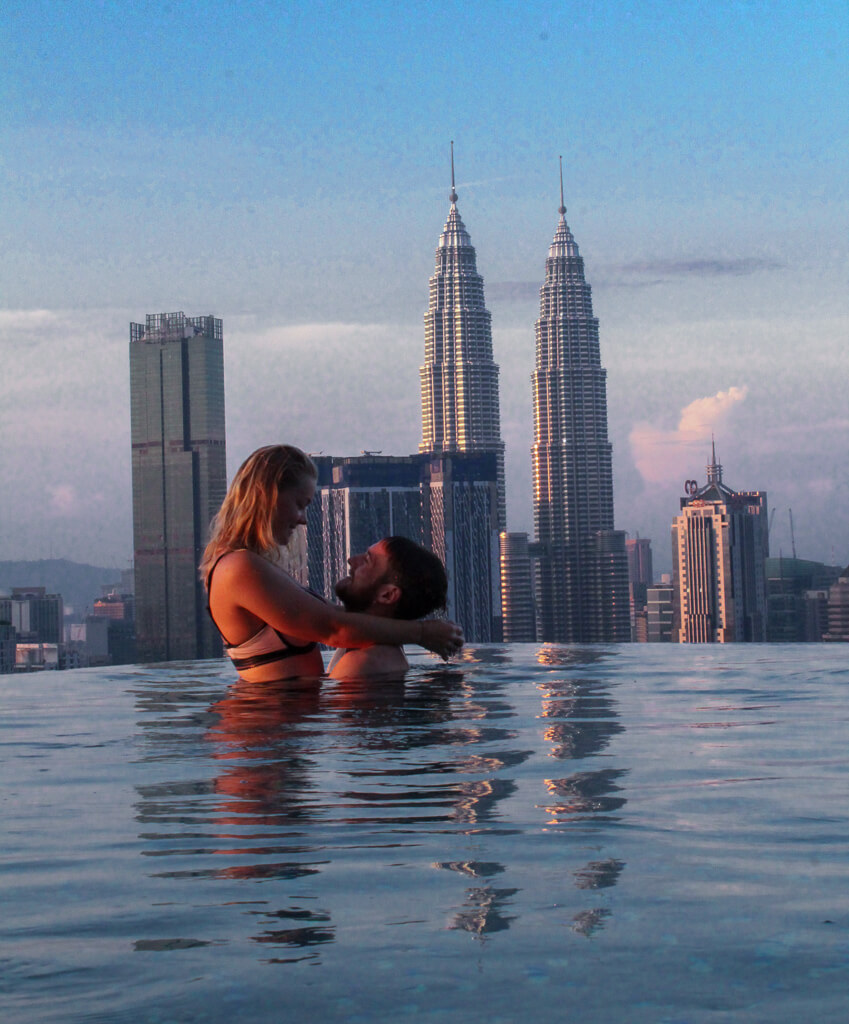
x=792, y=534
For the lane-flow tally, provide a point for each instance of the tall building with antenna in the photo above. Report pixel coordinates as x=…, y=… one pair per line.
x=583, y=569
x=459, y=379
x=720, y=542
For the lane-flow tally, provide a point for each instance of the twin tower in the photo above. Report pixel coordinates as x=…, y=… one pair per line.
x=578, y=565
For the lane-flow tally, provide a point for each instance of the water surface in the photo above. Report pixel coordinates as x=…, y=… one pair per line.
x=644, y=833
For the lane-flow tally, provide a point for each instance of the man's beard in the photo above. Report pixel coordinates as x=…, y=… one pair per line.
x=356, y=601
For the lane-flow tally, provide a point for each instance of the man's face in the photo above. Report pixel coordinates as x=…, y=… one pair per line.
x=369, y=574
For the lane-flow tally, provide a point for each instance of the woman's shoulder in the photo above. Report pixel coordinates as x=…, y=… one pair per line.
x=240, y=563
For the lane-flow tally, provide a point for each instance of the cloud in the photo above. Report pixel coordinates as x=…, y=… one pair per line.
x=702, y=267
x=665, y=455
x=27, y=320
x=645, y=274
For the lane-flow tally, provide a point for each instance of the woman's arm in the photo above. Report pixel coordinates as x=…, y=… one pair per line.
x=250, y=582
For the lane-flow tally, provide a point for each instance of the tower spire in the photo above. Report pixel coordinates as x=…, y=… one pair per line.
x=714, y=470
x=453, y=195
x=562, y=208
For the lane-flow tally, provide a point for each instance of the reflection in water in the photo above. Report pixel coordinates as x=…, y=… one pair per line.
x=265, y=776
x=305, y=774
x=404, y=842
x=581, y=720
x=589, y=921
x=584, y=794
x=599, y=874
x=481, y=913
x=582, y=717
x=412, y=720
x=568, y=657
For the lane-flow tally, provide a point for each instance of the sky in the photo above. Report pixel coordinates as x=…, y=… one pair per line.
x=286, y=167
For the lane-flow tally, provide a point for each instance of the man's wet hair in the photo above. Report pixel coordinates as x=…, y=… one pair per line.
x=419, y=575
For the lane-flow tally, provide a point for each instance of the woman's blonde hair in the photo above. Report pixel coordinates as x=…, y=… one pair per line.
x=246, y=517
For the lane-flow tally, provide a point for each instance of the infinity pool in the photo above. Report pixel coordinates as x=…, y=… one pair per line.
x=630, y=834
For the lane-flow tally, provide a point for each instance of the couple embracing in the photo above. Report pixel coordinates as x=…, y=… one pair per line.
x=272, y=626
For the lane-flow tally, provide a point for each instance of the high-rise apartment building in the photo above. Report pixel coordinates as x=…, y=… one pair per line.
x=8, y=641
x=659, y=613
x=838, y=609
x=447, y=503
x=640, y=578
x=720, y=543
x=638, y=550
x=37, y=617
x=517, y=588
x=583, y=571
x=179, y=478
x=794, y=599
x=459, y=379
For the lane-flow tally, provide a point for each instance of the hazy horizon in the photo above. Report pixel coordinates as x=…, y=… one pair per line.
x=286, y=168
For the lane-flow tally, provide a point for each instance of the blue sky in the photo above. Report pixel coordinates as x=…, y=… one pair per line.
x=286, y=167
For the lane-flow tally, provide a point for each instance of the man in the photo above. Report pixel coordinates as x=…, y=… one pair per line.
x=394, y=578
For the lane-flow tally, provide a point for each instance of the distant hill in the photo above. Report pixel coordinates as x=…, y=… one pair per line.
x=80, y=585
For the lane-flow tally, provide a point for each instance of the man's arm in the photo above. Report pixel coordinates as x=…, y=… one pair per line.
x=368, y=662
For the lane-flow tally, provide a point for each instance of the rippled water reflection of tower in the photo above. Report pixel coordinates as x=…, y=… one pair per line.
x=583, y=570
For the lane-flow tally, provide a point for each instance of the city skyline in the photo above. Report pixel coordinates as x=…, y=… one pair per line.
x=313, y=149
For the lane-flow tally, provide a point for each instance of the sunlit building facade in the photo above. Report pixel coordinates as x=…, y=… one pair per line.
x=583, y=571
x=459, y=378
x=179, y=478
x=517, y=588
x=720, y=542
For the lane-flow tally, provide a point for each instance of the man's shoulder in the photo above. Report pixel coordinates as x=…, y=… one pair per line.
x=365, y=662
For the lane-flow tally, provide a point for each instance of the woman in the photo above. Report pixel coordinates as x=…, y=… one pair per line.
x=270, y=624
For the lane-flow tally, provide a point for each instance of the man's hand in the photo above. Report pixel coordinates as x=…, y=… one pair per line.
x=442, y=637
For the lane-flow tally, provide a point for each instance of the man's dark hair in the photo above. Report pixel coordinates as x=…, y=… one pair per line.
x=419, y=575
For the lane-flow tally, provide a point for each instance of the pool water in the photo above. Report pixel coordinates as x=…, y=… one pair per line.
x=643, y=833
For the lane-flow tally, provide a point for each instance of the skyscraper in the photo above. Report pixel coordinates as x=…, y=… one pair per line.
x=517, y=588
x=719, y=545
x=448, y=503
x=459, y=379
x=179, y=478
x=583, y=570
x=838, y=609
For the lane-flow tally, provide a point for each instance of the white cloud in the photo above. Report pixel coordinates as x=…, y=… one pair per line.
x=665, y=455
x=22, y=320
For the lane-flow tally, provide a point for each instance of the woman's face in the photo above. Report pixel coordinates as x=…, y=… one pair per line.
x=291, y=509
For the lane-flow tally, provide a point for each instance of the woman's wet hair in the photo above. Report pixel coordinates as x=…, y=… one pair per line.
x=247, y=514
x=419, y=575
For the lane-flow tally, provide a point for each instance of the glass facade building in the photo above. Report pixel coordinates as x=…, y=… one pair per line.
x=179, y=478
x=448, y=504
